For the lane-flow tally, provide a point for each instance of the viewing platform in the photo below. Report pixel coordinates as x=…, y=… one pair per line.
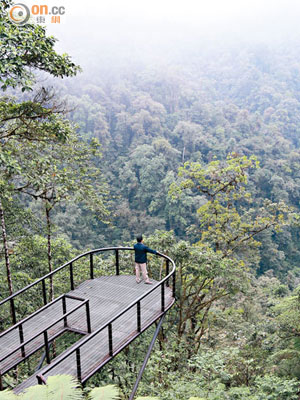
x=108, y=311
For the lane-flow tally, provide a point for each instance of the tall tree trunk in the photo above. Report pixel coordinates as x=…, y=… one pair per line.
x=6, y=252
x=49, y=250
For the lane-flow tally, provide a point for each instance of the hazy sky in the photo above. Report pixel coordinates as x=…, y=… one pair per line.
x=88, y=25
x=216, y=12
x=176, y=9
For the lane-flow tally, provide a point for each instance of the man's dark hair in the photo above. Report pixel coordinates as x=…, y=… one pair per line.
x=139, y=238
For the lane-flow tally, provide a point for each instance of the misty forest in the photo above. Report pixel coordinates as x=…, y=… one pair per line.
x=197, y=147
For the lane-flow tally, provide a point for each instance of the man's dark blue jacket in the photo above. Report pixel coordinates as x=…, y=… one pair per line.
x=141, y=251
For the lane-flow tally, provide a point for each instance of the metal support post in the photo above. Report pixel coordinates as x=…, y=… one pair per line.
x=91, y=266
x=44, y=292
x=110, y=340
x=78, y=363
x=88, y=317
x=139, y=316
x=117, y=263
x=146, y=358
x=21, y=334
x=13, y=311
x=64, y=304
x=71, y=276
x=168, y=270
x=162, y=297
x=47, y=347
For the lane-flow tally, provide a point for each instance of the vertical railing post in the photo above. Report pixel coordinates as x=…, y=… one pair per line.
x=110, y=340
x=47, y=347
x=168, y=270
x=41, y=380
x=117, y=263
x=174, y=284
x=1, y=383
x=139, y=316
x=64, y=306
x=71, y=276
x=21, y=335
x=13, y=311
x=88, y=317
x=162, y=297
x=44, y=292
x=78, y=363
x=91, y=266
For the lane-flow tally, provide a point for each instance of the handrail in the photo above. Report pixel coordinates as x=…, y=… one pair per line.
x=23, y=344
x=59, y=269
x=69, y=263
x=30, y=316
x=76, y=347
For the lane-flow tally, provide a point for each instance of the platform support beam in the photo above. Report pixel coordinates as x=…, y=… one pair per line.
x=40, y=364
x=147, y=357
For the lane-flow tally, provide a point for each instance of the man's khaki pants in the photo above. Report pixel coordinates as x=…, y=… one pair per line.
x=143, y=268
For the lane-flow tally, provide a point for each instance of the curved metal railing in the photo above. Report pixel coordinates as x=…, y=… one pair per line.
x=108, y=325
x=91, y=253
x=12, y=357
x=112, y=351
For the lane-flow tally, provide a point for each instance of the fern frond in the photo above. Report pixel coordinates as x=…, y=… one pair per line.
x=147, y=398
x=109, y=392
x=196, y=398
x=37, y=392
x=63, y=387
x=60, y=387
x=8, y=395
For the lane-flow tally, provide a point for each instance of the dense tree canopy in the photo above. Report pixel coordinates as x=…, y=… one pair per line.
x=25, y=47
x=201, y=154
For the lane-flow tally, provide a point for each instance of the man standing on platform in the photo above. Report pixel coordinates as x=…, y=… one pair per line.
x=141, y=251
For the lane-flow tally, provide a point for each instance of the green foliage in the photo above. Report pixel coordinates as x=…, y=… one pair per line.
x=25, y=47
x=196, y=398
x=202, y=278
x=37, y=119
x=205, y=110
x=224, y=223
x=147, y=398
x=65, y=387
x=7, y=395
x=60, y=387
x=30, y=254
x=108, y=392
x=63, y=172
x=288, y=315
x=231, y=335
x=274, y=388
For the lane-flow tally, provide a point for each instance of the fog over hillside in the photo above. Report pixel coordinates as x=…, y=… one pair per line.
x=184, y=125
x=147, y=30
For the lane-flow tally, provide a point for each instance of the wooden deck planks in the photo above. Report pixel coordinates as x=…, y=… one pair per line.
x=108, y=296
x=11, y=340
